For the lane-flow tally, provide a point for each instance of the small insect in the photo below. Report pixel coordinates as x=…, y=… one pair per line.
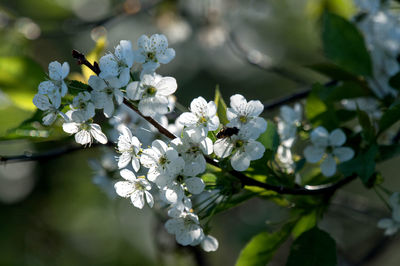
x=227, y=132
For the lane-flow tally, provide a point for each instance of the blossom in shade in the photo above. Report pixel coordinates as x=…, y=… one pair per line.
x=118, y=64
x=328, y=147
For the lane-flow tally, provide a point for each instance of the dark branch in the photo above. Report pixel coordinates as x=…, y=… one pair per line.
x=261, y=61
x=48, y=155
x=81, y=59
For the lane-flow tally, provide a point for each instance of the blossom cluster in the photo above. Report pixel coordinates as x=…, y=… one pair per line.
x=164, y=168
x=168, y=171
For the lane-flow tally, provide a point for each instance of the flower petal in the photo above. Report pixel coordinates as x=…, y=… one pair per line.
x=195, y=185
x=313, y=154
x=328, y=166
x=337, y=138
x=124, y=188
x=343, y=153
x=320, y=137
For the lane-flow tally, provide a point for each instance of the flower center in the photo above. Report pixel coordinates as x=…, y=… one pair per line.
x=109, y=90
x=82, y=105
x=151, y=56
x=243, y=119
x=85, y=126
x=329, y=149
x=239, y=144
x=179, y=178
x=150, y=91
x=162, y=160
x=202, y=120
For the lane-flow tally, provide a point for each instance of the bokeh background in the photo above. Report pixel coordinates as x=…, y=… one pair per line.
x=53, y=213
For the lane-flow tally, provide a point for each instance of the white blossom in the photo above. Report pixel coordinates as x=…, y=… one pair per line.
x=186, y=229
x=84, y=131
x=289, y=120
x=381, y=29
x=137, y=189
x=202, y=118
x=50, y=109
x=192, y=151
x=163, y=163
x=57, y=74
x=152, y=92
x=246, y=114
x=104, y=92
x=82, y=104
x=242, y=147
x=152, y=52
x=181, y=206
x=209, y=243
x=118, y=64
x=327, y=146
x=392, y=225
x=129, y=146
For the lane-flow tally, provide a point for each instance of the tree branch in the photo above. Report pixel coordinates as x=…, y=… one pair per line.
x=261, y=61
x=48, y=155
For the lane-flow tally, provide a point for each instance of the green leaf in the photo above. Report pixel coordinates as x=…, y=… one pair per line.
x=313, y=248
x=319, y=112
x=19, y=79
x=332, y=71
x=221, y=106
x=305, y=223
x=394, y=81
x=388, y=151
x=391, y=116
x=75, y=87
x=270, y=137
x=261, y=248
x=368, y=130
x=348, y=90
x=344, y=45
x=363, y=165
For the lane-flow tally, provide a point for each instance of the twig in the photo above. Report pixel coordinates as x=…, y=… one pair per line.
x=261, y=61
x=81, y=59
x=48, y=155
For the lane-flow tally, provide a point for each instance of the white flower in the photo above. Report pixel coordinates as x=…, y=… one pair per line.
x=367, y=104
x=104, y=92
x=153, y=92
x=84, y=131
x=285, y=156
x=163, y=163
x=382, y=36
x=129, y=147
x=57, y=74
x=392, y=225
x=181, y=206
x=245, y=114
x=193, y=152
x=118, y=64
x=327, y=147
x=52, y=91
x=153, y=51
x=202, y=118
x=209, y=243
x=82, y=104
x=51, y=110
x=135, y=188
x=186, y=229
x=289, y=120
x=242, y=147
